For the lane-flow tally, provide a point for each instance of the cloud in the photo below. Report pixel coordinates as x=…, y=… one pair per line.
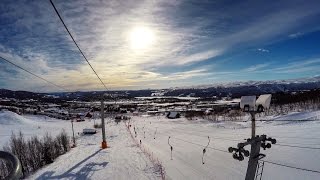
x=301, y=66
x=263, y=50
x=187, y=35
x=307, y=65
x=197, y=57
x=295, y=35
x=256, y=67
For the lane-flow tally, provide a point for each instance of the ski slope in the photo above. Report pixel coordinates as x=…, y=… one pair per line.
x=298, y=144
x=122, y=160
x=188, y=139
x=34, y=125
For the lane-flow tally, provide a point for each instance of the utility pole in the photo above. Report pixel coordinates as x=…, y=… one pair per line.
x=74, y=139
x=255, y=150
x=104, y=142
x=256, y=142
x=253, y=124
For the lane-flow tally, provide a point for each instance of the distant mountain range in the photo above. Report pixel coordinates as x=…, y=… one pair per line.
x=233, y=89
x=236, y=89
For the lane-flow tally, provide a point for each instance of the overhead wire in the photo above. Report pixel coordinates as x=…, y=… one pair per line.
x=295, y=146
x=77, y=44
x=238, y=140
x=266, y=161
x=289, y=166
x=54, y=84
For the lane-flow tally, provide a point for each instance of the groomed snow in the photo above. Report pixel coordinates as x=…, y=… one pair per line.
x=124, y=160
x=188, y=139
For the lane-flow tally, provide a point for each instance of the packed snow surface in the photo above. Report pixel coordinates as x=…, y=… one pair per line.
x=124, y=160
x=189, y=138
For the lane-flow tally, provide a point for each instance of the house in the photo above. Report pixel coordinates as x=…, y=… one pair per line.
x=173, y=115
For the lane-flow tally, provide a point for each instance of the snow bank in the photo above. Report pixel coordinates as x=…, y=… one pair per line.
x=11, y=118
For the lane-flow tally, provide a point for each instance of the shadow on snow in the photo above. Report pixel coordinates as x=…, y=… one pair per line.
x=83, y=173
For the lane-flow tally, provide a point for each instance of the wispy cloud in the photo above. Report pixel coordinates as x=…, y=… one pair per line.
x=256, y=67
x=300, y=66
x=186, y=35
x=295, y=35
x=263, y=50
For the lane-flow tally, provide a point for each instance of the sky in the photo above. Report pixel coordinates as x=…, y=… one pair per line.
x=136, y=44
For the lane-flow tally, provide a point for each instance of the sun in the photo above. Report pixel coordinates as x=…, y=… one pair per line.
x=141, y=38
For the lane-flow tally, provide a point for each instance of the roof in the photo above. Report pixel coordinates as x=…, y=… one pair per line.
x=172, y=114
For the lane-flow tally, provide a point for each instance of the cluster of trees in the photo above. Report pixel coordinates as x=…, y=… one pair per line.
x=303, y=106
x=296, y=97
x=282, y=104
x=232, y=115
x=35, y=152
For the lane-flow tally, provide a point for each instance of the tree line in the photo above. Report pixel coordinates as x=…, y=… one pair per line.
x=35, y=152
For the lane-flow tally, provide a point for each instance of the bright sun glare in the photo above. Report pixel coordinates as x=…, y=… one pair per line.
x=141, y=38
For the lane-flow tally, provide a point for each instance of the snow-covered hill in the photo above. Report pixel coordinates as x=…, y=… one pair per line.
x=11, y=118
x=32, y=125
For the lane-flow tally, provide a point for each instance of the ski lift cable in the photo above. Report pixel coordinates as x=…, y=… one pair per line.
x=237, y=140
x=271, y=162
x=77, y=44
x=54, y=84
x=294, y=145
x=285, y=165
x=289, y=166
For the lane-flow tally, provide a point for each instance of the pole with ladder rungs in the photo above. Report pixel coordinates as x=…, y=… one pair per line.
x=259, y=173
x=256, y=143
x=255, y=150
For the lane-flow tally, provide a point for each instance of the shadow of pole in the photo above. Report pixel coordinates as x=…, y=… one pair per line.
x=81, y=174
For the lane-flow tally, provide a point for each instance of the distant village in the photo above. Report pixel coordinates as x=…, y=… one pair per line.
x=173, y=107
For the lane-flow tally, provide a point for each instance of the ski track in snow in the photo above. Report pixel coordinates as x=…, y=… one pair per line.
x=122, y=160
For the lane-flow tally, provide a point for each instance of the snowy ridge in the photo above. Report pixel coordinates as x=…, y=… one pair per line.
x=315, y=79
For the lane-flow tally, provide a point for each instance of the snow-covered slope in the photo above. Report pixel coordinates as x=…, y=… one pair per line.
x=297, y=146
x=188, y=139
x=31, y=125
x=122, y=160
x=11, y=118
